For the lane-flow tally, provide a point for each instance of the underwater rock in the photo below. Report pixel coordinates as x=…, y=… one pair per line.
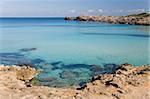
x=56, y=63
x=13, y=58
x=47, y=67
x=37, y=61
x=48, y=79
x=27, y=49
x=68, y=74
x=73, y=66
x=110, y=67
x=54, y=68
x=51, y=82
x=15, y=61
x=96, y=68
x=11, y=55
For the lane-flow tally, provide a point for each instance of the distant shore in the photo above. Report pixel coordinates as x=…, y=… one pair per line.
x=126, y=82
x=134, y=19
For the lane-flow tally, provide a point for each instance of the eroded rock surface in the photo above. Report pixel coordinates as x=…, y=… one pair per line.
x=126, y=82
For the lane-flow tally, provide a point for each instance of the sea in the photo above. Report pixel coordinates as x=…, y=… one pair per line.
x=70, y=53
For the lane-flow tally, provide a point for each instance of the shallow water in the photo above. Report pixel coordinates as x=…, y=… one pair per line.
x=68, y=50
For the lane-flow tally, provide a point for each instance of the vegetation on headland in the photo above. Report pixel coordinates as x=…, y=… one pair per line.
x=126, y=82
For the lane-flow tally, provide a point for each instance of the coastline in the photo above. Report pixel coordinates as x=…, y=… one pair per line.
x=126, y=82
x=134, y=19
x=74, y=49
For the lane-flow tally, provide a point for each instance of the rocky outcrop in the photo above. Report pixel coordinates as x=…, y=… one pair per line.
x=136, y=19
x=68, y=18
x=117, y=19
x=126, y=82
x=24, y=73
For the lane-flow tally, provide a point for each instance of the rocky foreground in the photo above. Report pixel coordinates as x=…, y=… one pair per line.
x=135, y=19
x=127, y=82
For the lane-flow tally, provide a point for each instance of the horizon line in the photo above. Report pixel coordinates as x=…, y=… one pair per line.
x=63, y=16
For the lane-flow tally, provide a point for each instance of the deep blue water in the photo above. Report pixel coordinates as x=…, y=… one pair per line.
x=71, y=52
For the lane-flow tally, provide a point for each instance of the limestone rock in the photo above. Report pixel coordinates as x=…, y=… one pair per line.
x=26, y=73
x=134, y=19
x=127, y=82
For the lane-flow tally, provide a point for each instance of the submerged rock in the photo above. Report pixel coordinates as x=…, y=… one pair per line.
x=51, y=82
x=11, y=55
x=27, y=49
x=37, y=61
x=74, y=66
x=68, y=74
x=13, y=58
x=56, y=63
x=96, y=69
x=110, y=68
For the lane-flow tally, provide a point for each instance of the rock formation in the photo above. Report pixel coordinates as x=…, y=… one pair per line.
x=24, y=73
x=136, y=19
x=126, y=82
x=68, y=18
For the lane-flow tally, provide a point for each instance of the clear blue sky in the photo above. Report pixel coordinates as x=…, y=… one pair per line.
x=51, y=8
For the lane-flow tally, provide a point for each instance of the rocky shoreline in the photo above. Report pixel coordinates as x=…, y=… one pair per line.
x=136, y=19
x=126, y=82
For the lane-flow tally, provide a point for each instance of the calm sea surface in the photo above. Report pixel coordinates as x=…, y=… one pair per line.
x=71, y=52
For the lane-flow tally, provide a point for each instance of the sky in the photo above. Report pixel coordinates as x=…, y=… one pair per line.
x=61, y=8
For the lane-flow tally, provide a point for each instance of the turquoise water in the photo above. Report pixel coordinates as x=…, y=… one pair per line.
x=67, y=51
